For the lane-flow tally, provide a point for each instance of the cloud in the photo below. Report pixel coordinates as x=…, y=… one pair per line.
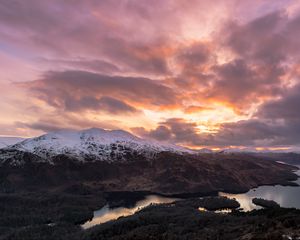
x=94, y=65
x=262, y=54
x=259, y=57
x=75, y=90
x=95, y=32
x=241, y=84
x=174, y=65
x=194, y=56
x=106, y=104
x=44, y=126
x=49, y=123
x=262, y=39
x=284, y=114
x=242, y=133
x=175, y=130
x=161, y=133
x=194, y=109
x=285, y=108
x=276, y=123
x=269, y=39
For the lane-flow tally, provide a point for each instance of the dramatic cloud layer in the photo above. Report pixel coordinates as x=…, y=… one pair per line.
x=197, y=73
x=76, y=90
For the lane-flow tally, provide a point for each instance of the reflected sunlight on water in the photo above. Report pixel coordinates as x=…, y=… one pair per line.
x=286, y=196
x=106, y=214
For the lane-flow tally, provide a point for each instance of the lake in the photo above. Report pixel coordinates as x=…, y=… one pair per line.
x=106, y=214
x=286, y=196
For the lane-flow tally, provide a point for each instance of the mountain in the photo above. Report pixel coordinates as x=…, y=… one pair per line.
x=119, y=161
x=7, y=141
x=166, y=172
x=93, y=144
x=61, y=177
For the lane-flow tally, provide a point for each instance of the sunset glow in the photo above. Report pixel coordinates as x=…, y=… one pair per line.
x=203, y=74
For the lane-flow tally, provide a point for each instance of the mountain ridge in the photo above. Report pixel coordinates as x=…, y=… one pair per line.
x=95, y=143
x=8, y=141
x=119, y=161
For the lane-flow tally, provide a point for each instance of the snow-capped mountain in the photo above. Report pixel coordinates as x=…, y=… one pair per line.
x=7, y=141
x=93, y=144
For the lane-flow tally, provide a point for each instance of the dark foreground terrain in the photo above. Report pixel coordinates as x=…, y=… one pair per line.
x=165, y=173
x=49, y=200
x=47, y=215
x=187, y=222
x=180, y=220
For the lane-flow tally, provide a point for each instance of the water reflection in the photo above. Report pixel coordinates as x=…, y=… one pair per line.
x=202, y=209
x=224, y=211
x=286, y=196
x=106, y=214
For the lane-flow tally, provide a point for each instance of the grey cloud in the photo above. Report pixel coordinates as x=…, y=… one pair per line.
x=175, y=130
x=287, y=107
x=71, y=88
x=41, y=125
x=261, y=39
x=276, y=123
x=95, y=65
x=161, y=133
x=194, y=55
x=107, y=104
x=81, y=32
x=253, y=132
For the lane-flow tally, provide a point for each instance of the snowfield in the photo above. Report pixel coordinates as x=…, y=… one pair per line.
x=95, y=144
x=7, y=141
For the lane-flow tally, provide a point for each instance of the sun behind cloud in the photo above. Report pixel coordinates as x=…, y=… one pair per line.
x=197, y=73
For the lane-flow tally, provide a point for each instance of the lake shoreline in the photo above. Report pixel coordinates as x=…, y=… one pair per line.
x=115, y=196
x=112, y=196
x=128, y=199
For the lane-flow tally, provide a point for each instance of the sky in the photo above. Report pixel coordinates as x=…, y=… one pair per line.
x=198, y=73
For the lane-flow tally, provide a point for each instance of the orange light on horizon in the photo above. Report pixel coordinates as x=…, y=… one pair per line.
x=272, y=148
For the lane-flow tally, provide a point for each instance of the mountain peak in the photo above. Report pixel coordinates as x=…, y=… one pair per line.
x=93, y=143
x=108, y=133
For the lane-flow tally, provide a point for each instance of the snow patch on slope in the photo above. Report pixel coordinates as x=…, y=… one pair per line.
x=94, y=144
x=7, y=141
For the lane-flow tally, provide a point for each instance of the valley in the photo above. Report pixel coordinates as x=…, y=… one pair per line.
x=118, y=161
x=50, y=184
x=149, y=120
